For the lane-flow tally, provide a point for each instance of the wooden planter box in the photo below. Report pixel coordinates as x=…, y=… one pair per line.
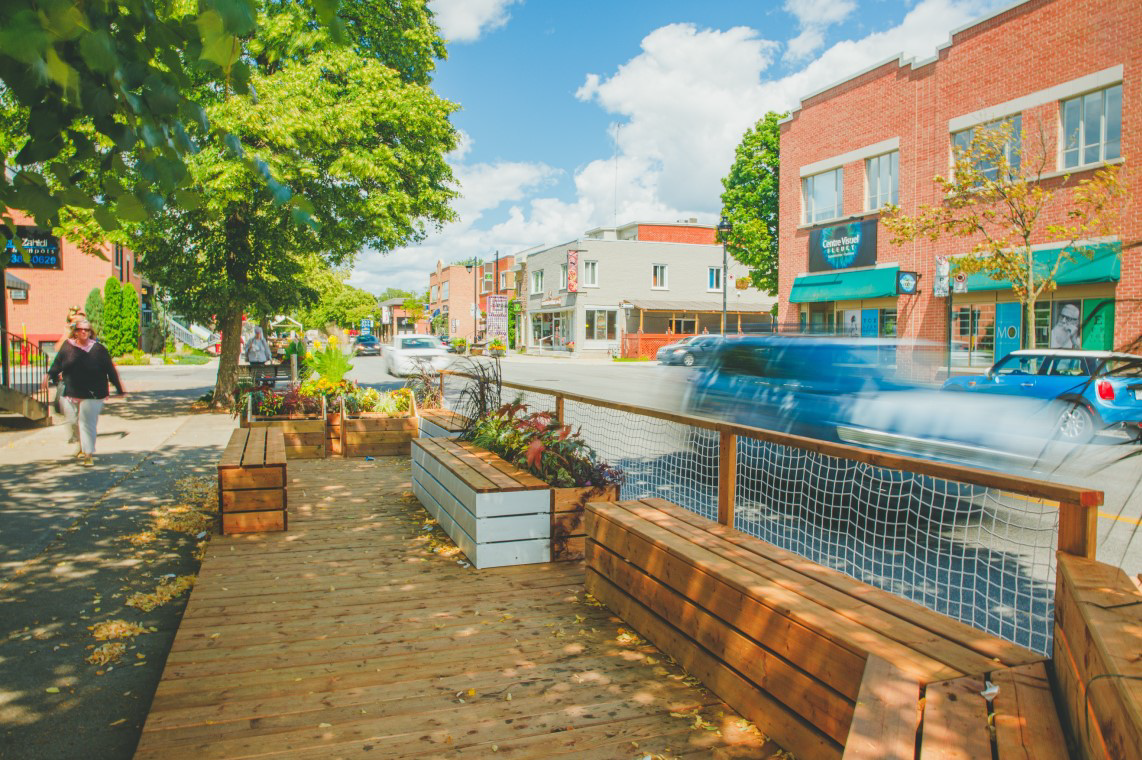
x=305, y=436
x=568, y=532
x=252, y=482
x=496, y=513
x=378, y=435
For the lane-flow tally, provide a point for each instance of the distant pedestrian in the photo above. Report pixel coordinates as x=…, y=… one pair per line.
x=705, y=331
x=74, y=315
x=257, y=349
x=85, y=367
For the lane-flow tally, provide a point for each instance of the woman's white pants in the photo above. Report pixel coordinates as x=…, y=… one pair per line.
x=84, y=414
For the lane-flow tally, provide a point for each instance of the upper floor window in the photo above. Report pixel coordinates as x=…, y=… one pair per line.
x=563, y=277
x=590, y=274
x=658, y=277
x=822, y=195
x=537, y=281
x=503, y=280
x=988, y=164
x=118, y=256
x=435, y=291
x=444, y=290
x=882, y=174
x=488, y=279
x=1092, y=127
x=714, y=279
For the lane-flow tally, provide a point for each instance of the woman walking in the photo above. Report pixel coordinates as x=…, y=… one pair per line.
x=86, y=368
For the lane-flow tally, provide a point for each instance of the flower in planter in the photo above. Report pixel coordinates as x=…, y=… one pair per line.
x=497, y=345
x=538, y=443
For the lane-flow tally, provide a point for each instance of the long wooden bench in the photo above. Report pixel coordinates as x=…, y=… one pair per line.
x=441, y=423
x=1098, y=657
x=496, y=513
x=252, y=481
x=792, y=645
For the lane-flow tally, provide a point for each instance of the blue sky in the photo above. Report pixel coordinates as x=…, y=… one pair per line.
x=577, y=114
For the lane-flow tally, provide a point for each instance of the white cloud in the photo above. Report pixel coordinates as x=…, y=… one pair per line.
x=814, y=16
x=680, y=108
x=467, y=20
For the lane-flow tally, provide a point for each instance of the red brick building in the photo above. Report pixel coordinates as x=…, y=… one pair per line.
x=1070, y=70
x=454, y=288
x=58, y=277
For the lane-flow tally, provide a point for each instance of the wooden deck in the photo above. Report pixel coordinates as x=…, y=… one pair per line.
x=358, y=633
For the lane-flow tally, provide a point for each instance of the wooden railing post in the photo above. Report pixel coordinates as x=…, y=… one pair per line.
x=727, y=476
x=559, y=408
x=1078, y=525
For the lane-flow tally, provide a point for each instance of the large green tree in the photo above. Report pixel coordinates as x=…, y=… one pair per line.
x=750, y=201
x=338, y=303
x=354, y=129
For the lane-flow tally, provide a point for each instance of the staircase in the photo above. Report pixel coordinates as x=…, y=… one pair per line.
x=22, y=372
x=192, y=335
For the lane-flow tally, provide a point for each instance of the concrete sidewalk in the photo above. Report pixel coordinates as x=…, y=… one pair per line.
x=70, y=558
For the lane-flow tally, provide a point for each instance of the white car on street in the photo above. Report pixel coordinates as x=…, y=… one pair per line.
x=407, y=353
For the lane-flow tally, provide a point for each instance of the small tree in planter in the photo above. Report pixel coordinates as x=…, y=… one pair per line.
x=548, y=449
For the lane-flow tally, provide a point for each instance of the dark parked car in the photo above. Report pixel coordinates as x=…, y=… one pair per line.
x=841, y=389
x=1101, y=389
x=691, y=350
x=367, y=345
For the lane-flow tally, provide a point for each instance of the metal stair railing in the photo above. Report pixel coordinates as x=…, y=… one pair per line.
x=23, y=369
x=184, y=334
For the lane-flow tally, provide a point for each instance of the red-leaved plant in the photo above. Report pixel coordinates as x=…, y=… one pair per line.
x=538, y=443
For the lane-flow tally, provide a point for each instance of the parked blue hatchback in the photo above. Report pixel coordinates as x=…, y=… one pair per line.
x=1103, y=389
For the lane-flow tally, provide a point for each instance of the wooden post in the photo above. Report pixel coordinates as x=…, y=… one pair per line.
x=727, y=477
x=1078, y=525
x=559, y=409
x=441, y=376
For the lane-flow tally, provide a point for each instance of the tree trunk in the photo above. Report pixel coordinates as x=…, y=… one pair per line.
x=230, y=324
x=1029, y=339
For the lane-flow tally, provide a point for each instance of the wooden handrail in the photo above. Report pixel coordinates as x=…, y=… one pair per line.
x=1077, y=506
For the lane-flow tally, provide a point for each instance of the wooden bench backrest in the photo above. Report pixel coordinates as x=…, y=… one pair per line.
x=481, y=470
x=445, y=418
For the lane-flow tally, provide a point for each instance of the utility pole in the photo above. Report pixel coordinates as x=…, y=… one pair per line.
x=724, y=228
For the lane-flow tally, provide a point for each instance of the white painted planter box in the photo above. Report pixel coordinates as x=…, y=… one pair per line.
x=429, y=429
x=493, y=529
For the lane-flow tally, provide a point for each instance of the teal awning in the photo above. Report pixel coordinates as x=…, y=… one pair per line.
x=1104, y=265
x=845, y=285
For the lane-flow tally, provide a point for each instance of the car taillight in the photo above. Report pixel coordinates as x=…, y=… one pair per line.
x=1105, y=390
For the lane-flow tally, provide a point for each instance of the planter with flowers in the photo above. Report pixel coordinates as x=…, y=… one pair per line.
x=497, y=347
x=331, y=365
x=513, y=490
x=298, y=413
x=377, y=424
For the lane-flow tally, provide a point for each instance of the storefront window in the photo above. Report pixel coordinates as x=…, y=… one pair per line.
x=602, y=324
x=888, y=323
x=973, y=335
x=683, y=326
x=552, y=330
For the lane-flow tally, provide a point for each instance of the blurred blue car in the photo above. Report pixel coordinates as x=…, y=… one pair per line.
x=1102, y=390
x=847, y=390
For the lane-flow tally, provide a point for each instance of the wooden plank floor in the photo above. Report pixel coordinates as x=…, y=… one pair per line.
x=361, y=634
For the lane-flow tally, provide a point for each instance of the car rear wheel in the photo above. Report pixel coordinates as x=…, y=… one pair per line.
x=1076, y=425
x=688, y=360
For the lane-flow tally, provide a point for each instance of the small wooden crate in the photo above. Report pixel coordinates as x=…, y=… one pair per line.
x=252, y=481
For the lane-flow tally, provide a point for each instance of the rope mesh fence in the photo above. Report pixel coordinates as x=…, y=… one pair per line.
x=976, y=554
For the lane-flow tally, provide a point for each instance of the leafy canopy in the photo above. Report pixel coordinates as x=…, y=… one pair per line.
x=750, y=201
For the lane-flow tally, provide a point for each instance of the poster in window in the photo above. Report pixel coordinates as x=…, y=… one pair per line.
x=1066, y=318
x=843, y=246
x=852, y=323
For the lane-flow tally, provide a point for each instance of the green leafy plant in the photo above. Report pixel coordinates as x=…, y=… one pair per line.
x=330, y=363
x=540, y=444
x=497, y=345
x=460, y=344
x=369, y=400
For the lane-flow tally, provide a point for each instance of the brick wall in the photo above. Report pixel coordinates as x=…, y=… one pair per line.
x=1031, y=47
x=676, y=233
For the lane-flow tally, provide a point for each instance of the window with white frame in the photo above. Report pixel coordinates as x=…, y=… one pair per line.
x=658, y=277
x=602, y=324
x=822, y=195
x=882, y=178
x=714, y=279
x=503, y=280
x=489, y=278
x=563, y=277
x=435, y=293
x=1012, y=149
x=1092, y=127
x=537, y=281
x=590, y=274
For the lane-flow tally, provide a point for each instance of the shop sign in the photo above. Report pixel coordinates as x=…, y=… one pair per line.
x=907, y=283
x=843, y=246
x=551, y=298
x=41, y=248
x=572, y=271
x=497, y=321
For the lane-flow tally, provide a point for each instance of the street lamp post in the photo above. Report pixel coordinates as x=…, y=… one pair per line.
x=474, y=268
x=724, y=228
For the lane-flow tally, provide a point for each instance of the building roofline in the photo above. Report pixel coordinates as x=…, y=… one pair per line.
x=903, y=60
x=639, y=223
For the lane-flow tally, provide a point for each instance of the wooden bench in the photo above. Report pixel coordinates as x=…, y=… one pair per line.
x=1098, y=657
x=252, y=481
x=441, y=423
x=790, y=644
x=496, y=513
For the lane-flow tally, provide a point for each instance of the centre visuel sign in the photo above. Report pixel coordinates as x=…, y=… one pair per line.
x=843, y=246
x=40, y=247
x=497, y=321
